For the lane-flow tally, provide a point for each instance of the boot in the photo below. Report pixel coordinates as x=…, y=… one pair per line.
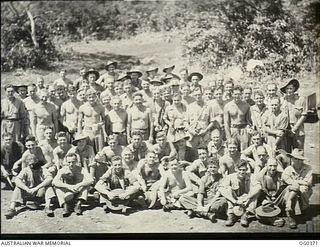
x=291, y=220
x=231, y=220
x=66, y=210
x=49, y=212
x=244, y=220
x=211, y=217
x=10, y=214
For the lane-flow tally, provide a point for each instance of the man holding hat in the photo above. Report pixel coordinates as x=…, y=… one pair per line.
x=33, y=185
x=298, y=177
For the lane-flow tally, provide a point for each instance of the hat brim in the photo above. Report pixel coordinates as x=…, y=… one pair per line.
x=150, y=70
x=238, y=210
x=112, y=63
x=97, y=74
x=75, y=141
x=165, y=69
x=193, y=74
x=122, y=78
x=157, y=82
x=135, y=71
x=261, y=213
x=294, y=82
x=17, y=87
x=296, y=156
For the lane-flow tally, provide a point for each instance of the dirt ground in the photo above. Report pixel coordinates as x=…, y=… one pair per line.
x=94, y=220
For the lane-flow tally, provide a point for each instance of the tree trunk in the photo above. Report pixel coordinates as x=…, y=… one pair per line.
x=33, y=29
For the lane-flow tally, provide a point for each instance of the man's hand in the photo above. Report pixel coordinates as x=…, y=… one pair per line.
x=176, y=195
x=124, y=196
x=163, y=201
x=32, y=191
x=72, y=188
x=111, y=196
x=5, y=173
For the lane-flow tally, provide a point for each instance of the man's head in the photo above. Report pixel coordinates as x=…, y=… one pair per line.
x=145, y=85
x=152, y=158
x=9, y=91
x=40, y=82
x=241, y=168
x=232, y=146
x=207, y=94
x=106, y=99
x=216, y=136
x=237, y=93
x=197, y=94
x=218, y=93
x=272, y=166
x=275, y=104
x=112, y=141
x=259, y=97
x=92, y=78
x=22, y=91
x=213, y=165
x=91, y=96
x=118, y=88
x=63, y=73
x=247, y=92
x=219, y=81
x=82, y=72
x=116, y=162
x=176, y=99
x=256, y=138
x=7, y=139
x=185, y=89
x=262, y=154
x=43, y=95
x=229, y=85
x=137, y=99
x=62, y=139
x=81, y=95
x=134, y=76
x=116, y=103
x=202, y=153
x=161, y=138
x=173, y=165
x=48, y=133
x=127, y=154
x=72, y=92
x=30, y=143
x=297, y=158
x=272, y=90
x=136, y=138
x=32, y=89
x=71, y=160
x=195, y=79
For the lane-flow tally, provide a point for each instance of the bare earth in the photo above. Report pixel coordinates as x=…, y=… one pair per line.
x=148, y=221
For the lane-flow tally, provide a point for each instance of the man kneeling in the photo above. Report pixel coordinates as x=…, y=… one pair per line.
x=118, y=188
x=72, y=183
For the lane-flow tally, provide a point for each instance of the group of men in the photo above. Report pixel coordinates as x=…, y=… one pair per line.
x=143, y=140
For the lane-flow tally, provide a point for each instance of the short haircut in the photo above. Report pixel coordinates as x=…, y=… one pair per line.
x=207, y=89
x=177, y=95
x=256, y=133
x=125, y=150
x=7, y=134
x=137, y=94
x=213, y=161
x=115, y=158
x=30, y=138
x=231, y=141
x=238, y=88
x=219, y=88
x=184, y=85
x=241, y=163
x=258, y=92
x=272, y=84
x=90, y=91
x=72, y=155
x=61, y=134
x=8, y=86
x=48, y=128
x=247, y=87
x=202, y=148
x=136, y=133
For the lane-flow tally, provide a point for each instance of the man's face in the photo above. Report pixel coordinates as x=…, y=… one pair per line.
x=145, y=85
x=127, y=88
x=176, y=100
x=81, y=96
x=118, y=90
x=63, y=73
x=262, y=154
x=259, y=99
x=272, y=90
x=91, y=98
x=127, y=156
x=52, y=92
x=134, y=76
x=60, y=91
x=71, y=161
x=256, y=140
x=241, y=171
x=30, y=145
x=232, y=148
x=8, y=141
x=31, y=91
x=185, y=91
x=43, y=97
x=72, y=94
x=22, y=91
x=116, y=104
x=166, y=95
x=195, y=79
x=136, y=140
x=10, y=92
x=40, y=83
x=203, y=155
x=161, y=141
x=296, y=163
x=212, y=168
x=112, y=144
x=137, y=100
x=247, y=94
x=82, y=72
x=197, y=95
x=218, y=94
x=117, y=165
x=290, y=89
x=181, y=144
x=106, y=100
x=228, y=87
x=184, y=74
x=272, y=167
x=219, y=82
x=207, y=95
x=152, y=157
x=173, y=165
x=48, y=134
x=111, y=68
x=275, y=105
x=237, y=95
x=82, y=143
x=156, y=94
x=62, y=141
x=215, y=137
x=91, y=78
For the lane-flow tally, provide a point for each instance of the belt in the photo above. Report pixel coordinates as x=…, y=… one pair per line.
x=12, y=119
x=239, y=126
x=119, y=133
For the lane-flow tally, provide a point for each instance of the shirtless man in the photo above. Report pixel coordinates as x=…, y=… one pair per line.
x=258, y=111
x=164, y=148
x=185, y=91
x=13, y=115
x=127, y=160
x=272, y=90
x=199, y=121
x=30, y=103
x=237, y=119
x=216, y=146
x=138, y=147
x=70, y=111
x=229, y=160
x=116, y=122
x=48, y=144
x=146, y=93
x=40, y=83
x=78, y=82
x=247, y=93
x=228, y=89
x=63, y=80
x=61, y=150
x=173, y=184
x=43, y=114
x=91, y=119
x=140, y=119
x=127, y=96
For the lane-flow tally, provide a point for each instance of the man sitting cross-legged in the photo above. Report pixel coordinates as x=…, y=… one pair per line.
x=118, y=187
x=72, y=183
x=207, y=203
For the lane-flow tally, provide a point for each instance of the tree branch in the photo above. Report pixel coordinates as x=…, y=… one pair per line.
x=13, y=9
x=33, y=29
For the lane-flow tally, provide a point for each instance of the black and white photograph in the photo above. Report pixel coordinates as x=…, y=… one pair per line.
x=169, y=118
